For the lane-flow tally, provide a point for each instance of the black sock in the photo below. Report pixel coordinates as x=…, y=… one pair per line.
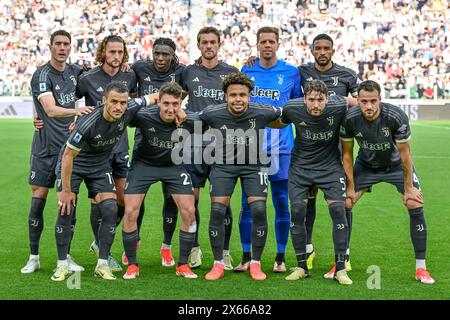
x=96, y=219
x=310, y=218
x=259, y=228
x=246, y=257
x=418, y=231
x=107, y=230
x=217, y=229
x=228, y=222
x=301, y=261
x=73, y=223
x=186, y=241
x=140, y=218
x=340, y=233
x=130, y=240
x=298, y=228
x=349, y=216
x=170, y=217
x=120, y=214
x=35, y=223
x=63, y=234
x=280, y=258
x=197, y=220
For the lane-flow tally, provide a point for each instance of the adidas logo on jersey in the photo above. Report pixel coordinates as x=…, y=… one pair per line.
x=310, y=79
x=303, y=123
x=148, y=79
x=196, y=79
x=99, y=89
x=224, y=127
x=57, y=87
x=359, y=134
x=152, y=129
x=99, y=136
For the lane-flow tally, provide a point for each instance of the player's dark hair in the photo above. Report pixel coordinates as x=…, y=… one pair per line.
x=206, y=30
x=322, y=36
x=268, y=30
x=60, y=33
x=369, y=85
x=116, y=86
x=237, y=78
x=100, y=54
x=316, y=85
x=171, y=88
x=167, y=42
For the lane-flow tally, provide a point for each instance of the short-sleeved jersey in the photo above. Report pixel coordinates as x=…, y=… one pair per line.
x=377, y=139
x=317, y=137
x=46, y=80
x=150, y=80
x=275, y=86
x=339, y=80
x=157, y=143
x=92, y=86
x=241, y=137
x=204, y=85
x=94, y=137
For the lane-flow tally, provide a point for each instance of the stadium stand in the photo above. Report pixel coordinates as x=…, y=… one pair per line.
x=402, y=44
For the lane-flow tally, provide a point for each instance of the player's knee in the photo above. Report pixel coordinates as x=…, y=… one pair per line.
x=259, y=212
x=108, y=210
x=298, y=212
x=337, y=212
x=218, y=211
x=413, y=204
x=188, y=213
x=39, y=192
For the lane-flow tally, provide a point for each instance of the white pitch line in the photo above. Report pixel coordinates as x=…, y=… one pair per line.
x=430, y=126
x=430, y=157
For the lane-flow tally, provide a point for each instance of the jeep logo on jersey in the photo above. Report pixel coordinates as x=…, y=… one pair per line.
x=272, y=94
x=151, y=89
x=385, y=131
x=216, y=94
x=66, y=98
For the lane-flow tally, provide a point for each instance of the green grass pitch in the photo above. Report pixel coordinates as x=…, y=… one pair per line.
x=380, y=238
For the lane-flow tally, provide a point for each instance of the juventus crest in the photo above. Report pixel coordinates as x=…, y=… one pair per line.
x=330, y=121
x=280, y=79
x=335, y=81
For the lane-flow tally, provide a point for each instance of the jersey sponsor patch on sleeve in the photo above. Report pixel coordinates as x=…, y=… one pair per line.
x=77, y=137
x=403, y=129
x=42, y=86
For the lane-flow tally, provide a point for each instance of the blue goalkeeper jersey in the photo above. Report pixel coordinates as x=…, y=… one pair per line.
x=275, y=86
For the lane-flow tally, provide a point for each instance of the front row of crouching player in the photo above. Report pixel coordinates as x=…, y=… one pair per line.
x=236, y=129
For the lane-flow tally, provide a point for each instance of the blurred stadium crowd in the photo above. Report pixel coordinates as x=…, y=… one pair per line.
x=403, y=44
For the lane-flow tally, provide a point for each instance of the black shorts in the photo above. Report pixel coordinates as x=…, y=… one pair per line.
x=120, y=164
x=42, y=171
x=223, y=178
x=365, y=177
x=331, y=182
x=141, y=176
x=97, y=181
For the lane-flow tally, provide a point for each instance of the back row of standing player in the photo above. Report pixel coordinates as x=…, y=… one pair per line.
x=275, y=81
